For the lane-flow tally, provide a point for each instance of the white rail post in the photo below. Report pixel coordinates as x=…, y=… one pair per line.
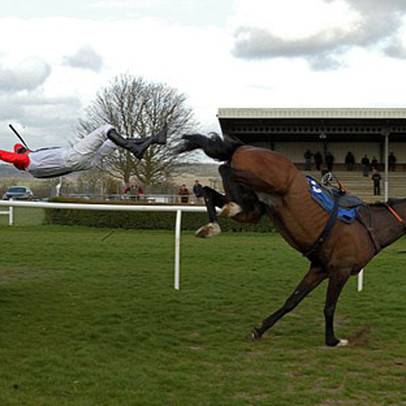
x=386, y=177
x=10, y=215
x=177, y=249
x=360, y=280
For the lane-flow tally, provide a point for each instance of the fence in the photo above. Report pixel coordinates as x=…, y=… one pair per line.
x=146, y=198
x=112, y=207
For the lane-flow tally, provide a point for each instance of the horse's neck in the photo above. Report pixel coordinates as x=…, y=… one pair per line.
x=389, y=225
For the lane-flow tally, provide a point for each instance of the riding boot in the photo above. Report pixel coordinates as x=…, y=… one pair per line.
x=138, y=145
x=135, y=145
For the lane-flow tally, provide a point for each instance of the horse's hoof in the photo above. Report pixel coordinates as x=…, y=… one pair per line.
x=255, y=334
x=337, y=343
x=209, y=230
x=342, y=343
x=230, y=210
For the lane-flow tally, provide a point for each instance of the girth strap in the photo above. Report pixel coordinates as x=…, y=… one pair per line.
x=326, y=231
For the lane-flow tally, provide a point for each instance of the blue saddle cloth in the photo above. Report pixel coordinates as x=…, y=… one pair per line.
x=348, y=205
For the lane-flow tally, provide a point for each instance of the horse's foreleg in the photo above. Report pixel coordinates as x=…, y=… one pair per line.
x=244, y=205
x=335, y=286
x=310, y=281
x=213, y=199
x=241, y=203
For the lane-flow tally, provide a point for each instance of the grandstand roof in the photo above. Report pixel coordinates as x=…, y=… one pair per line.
x=363, y=113
x=308, y=124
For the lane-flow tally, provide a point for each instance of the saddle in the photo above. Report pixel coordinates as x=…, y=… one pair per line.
x=347, y=204
x=338, y=203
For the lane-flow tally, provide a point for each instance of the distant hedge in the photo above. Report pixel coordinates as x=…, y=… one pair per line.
x=140, y=220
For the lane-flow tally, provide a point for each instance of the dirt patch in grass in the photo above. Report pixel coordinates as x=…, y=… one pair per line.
x=362, y=337
x=13, y=275
x=249, y=397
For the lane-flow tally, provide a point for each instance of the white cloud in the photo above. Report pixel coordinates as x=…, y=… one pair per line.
x=86, y=58
x=128, y=4
x=296, y=19
x=290, y=53
x=46, y=121
x=28, y=75
x=185, y=58
x=319, y=30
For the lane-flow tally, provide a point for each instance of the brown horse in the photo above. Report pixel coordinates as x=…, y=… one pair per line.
x=261, y=182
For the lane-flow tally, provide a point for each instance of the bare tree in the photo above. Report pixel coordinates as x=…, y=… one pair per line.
x=136, y=107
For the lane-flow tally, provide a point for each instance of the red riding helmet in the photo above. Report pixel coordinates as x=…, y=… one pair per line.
x=19, y=149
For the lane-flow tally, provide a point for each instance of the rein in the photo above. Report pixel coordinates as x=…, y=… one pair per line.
x=395, y=214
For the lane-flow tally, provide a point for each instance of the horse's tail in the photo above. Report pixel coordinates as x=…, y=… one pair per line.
x=213, y=146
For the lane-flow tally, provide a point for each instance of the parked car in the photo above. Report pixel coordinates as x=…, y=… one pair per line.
x=18, y=193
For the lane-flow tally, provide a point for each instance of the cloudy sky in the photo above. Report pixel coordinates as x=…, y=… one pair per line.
x=55, y=55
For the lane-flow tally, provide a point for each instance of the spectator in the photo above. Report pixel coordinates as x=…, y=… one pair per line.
x=198, y=191
x=329, y=161
x=365, y=165
x=374, y=163
x=133, y=191
x=349, y=161
x=308, y=159
x=318, y=159
x=392, y=161
x=184, y=194
x=376, y=178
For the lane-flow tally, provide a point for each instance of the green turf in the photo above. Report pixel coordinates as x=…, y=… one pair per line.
x=23, y=216
x=91, y=318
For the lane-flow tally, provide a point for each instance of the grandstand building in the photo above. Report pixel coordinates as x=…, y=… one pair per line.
x=375, y=132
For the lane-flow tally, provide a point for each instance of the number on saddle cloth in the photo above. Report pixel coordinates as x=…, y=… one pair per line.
x=348, y=204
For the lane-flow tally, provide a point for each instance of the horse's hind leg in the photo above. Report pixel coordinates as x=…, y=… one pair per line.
x=336, y=283
x=311, y=280
x=213, y=199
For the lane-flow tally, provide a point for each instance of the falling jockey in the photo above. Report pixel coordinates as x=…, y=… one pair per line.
x=85, y=154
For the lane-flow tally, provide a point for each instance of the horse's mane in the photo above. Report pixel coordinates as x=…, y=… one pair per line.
x=393, y=201
x=213, y=145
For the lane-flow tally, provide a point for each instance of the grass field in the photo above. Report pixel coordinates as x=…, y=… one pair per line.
x=23, y=216
x=89, y=318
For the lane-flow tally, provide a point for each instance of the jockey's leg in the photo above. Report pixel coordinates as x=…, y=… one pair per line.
x=138, y=145
x=83, y=154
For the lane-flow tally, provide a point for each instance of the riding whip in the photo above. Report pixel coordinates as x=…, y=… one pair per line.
x=18, y=135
